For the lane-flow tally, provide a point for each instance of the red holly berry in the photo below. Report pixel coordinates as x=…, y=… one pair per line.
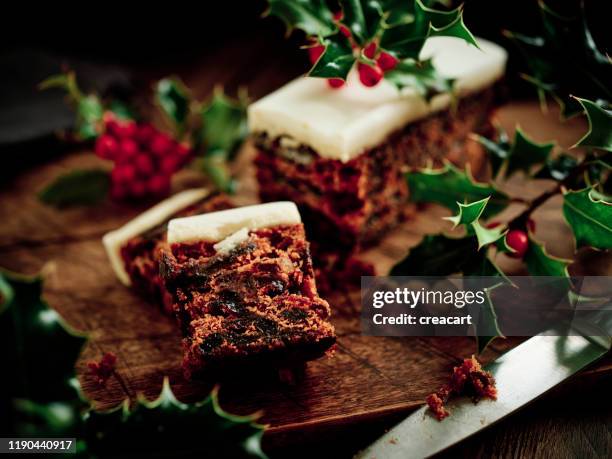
x=386, y=61
x=106, y=147
x=182, y=151
x=338, y=15
x=145, y=133
x=169, y=164
x=160, y=144
x=138, y=188
x=158, y=185
x=370, y=50
x=144, y=165
x=121, y=129
x=492, y=225
x=344, y=30
x=123, y=173
x=369, y=75
x=335, y=82
x=518, y=241
x=128, y=148
x=315, y=52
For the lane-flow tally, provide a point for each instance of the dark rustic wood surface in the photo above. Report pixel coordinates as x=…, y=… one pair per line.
x=370, y=382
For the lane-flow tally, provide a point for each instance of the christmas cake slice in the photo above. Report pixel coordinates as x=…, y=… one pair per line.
x=341, y=154
x=243, y=288
x=133, y=249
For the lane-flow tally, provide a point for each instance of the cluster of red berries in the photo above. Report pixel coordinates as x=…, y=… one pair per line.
x=144, y=158
x=369, y=74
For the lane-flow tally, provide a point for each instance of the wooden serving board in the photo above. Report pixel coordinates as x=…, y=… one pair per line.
x=367, y=378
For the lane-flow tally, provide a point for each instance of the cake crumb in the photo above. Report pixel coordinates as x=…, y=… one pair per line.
x=104, y=369
x=470, y=379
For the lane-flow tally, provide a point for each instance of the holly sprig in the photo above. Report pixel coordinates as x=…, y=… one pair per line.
x=203, y=133
x=380, y=37
x=565, y=37
x=42, y=398
x=587, y=209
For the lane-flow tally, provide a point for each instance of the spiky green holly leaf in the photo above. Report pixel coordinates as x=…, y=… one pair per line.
x=449, y=185
x=33, y=331
x=420, y=75
x=437, y=255
x=77, y=187
x=558, y=168
x=173, y=98
x=589, y=214
x=599, y=134
x=468, y=215
x=497, y=150
x=541, y=263
x=406, y=39
x=223, y=130
x=337, y=59
x=565, y=37
x=525, y=153
x=41, y=397
x=166, y=426
x=363, y=18
x=487, y=329
x=312, y=16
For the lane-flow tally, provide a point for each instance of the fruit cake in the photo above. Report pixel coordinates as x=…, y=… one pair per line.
x=243, y=289
x=342, y=154
x=133, y=249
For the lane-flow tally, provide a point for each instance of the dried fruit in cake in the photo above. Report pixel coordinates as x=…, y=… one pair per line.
x=243, y=289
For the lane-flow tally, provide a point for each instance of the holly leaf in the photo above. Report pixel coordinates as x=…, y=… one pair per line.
x=541, y=263
x=469, y=215
x=437, y=255
x=312, y=16
x=222, y=133
x=406, y=40
x=173, y=99
x=565, y=37
x=599, y=134
x=89, y=117
x=420, y=75
x=337, y=59
x=487, y=329
x=525, y=153
x=589, y=214
x=363, y=18
x=40, y=399
x=27, y=327
x=166, y=426
x=558, y=168
x=497, y=150
x=77, y=187
x=449, y=185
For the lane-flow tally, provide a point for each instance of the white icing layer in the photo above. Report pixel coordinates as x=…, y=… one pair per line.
x=216, y=226
x=343, y=123
x=149, y=219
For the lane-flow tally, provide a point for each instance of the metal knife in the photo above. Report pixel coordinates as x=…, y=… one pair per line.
x=522, y=374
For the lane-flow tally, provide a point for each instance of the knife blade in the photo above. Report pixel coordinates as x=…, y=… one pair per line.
x=522, y=375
